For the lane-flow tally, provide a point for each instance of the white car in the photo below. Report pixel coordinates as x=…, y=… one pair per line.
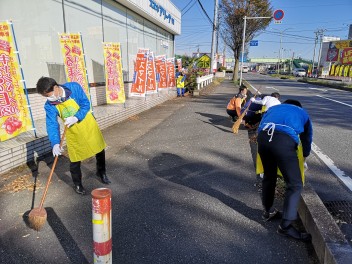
x=299, y=72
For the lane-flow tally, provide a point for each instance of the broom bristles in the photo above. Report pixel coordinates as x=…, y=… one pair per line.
x=236, y=125
x=37, y=218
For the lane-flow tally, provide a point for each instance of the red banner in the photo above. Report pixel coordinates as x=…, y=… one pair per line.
x=170, y=63
x=140, y=76
x=346, y=56
x=151, y=81
x=161, y=71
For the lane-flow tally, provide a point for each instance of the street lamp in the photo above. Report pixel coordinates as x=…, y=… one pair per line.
x=243, y=40
x=280, y=50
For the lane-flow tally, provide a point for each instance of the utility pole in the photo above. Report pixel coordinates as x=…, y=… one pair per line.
x=213, y=39
x=321, y=32
x=315, y=44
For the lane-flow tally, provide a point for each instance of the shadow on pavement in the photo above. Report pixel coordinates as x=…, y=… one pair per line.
x=187, y=174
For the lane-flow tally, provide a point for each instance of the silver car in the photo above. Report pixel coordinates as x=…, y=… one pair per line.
x=299, y=72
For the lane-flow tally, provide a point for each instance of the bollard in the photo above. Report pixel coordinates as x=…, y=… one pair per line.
x=101, y=219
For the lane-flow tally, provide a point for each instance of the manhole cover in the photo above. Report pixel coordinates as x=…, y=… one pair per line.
x=341, y=210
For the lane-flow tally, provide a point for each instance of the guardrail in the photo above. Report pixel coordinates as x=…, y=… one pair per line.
x=204, y=80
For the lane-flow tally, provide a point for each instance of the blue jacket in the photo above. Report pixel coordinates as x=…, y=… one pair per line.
x=52, y=125
x=291, y=120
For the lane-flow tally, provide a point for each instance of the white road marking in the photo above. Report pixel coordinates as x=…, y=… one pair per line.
x=328, y=162
x=320, y=89
x=334, y=100
x=269, y=87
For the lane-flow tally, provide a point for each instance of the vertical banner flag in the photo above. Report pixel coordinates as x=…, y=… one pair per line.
x=115, y=92
x=75, y=68
x=179, y=64
x=171, y=72
x=151, y=81
x=14, y=113
x=140, y=75
x=161, y=71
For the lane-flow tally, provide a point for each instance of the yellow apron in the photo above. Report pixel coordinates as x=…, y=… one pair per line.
x=260, y=169
x=84, y=139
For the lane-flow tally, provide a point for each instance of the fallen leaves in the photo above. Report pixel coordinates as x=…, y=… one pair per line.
x=24, y=182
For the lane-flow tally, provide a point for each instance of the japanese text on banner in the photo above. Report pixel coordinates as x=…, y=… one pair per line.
x=115, y=92
x=151, y=81
x=161, y=71
x=139, y=82
x=171, y=72
x=72, y=51
x=14, y=113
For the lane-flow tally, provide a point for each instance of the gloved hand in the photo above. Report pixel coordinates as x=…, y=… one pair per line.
x=71, y=120
x=57, y=150
x=252, y=99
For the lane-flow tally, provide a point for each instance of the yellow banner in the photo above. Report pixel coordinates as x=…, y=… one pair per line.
x=14, y=113
x=75, y=67
x=115, y=92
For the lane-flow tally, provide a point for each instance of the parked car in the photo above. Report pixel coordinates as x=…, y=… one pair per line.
x=299, y=72
x=245, y=69
x=272, y=72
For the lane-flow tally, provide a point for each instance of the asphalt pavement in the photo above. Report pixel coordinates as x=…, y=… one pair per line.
x=183, y=191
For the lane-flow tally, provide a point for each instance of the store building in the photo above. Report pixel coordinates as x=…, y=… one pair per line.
x=136, y=24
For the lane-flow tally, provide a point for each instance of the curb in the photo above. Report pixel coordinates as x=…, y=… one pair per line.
x=328, y=241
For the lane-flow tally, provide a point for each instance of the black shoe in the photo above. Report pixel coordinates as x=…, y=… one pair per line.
x=276, y=214
x=79, y=189
x=292, y=232
x=104, y=178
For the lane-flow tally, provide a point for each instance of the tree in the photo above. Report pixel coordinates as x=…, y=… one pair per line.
x=232, y=23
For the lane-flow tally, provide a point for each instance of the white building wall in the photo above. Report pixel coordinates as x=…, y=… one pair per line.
x=135, y=24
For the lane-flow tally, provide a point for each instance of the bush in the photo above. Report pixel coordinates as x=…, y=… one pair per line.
x=222, y=68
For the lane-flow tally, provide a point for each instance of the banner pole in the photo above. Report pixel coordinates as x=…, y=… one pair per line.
x=85, y=66
x=23, y=80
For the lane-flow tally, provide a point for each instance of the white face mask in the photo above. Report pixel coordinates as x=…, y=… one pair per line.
x=53, y=98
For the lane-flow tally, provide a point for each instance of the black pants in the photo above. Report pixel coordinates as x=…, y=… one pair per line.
x=280, y=153
x=75, y=168
x=233, y=114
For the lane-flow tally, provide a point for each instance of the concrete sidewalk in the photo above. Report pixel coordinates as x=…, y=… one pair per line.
x=183, y=192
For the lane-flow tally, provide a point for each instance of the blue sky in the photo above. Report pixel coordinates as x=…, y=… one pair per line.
x=302, y=18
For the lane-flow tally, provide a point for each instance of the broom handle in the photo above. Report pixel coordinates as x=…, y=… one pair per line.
x=245, y=110
x=52, y=170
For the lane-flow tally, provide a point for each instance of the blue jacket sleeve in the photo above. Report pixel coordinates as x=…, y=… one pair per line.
x=52, y=124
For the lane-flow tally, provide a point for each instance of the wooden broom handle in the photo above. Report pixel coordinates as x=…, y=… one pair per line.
x=52, y=170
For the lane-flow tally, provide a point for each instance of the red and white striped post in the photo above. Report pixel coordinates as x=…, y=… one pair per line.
x=101, y=219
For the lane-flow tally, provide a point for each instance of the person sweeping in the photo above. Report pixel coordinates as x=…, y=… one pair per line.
x=285, y=136
x=83, y=137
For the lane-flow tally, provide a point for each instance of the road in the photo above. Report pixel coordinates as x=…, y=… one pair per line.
x=330, y=170
x=183, y=192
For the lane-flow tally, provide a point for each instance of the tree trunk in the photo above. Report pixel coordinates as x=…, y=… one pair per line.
x=235, y=71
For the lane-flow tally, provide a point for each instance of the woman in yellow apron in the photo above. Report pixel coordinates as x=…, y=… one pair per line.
x=83, y=137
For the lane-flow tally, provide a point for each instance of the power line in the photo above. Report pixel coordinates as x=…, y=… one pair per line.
x=189, y=8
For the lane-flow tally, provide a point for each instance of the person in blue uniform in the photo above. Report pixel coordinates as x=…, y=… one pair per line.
x=83, y=136
x=282, y=129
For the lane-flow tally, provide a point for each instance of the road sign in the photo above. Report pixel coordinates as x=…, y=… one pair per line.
x=253, y=43
x=278, y=15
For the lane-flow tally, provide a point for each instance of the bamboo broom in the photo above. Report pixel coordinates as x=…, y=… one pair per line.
x=37, y=216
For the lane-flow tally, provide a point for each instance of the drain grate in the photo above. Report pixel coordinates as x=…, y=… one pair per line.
x=340, y=210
